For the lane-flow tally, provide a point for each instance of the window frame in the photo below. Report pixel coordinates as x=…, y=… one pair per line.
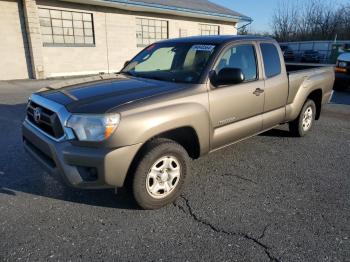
x=148, y=26
x=210, y=25
x=225, y=49
x=46, y=44
x=263, y=60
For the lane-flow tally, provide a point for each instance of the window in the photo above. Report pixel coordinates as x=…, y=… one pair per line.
x=272, y=63
x=171, y=62
x=242, y=57
x=209, y=29
x=149, y=31
x=60, y=27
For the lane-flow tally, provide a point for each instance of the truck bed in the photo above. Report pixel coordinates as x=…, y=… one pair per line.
x=308, y=75
x=293, y=67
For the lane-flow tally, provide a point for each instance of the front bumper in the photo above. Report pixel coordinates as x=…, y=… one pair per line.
x=342, y=80
x=81, y=167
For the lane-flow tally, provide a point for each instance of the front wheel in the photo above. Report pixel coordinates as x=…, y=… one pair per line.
x=305, y=121
x=160, y=174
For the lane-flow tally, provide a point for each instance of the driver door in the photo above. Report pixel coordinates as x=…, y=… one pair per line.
x=236, y=110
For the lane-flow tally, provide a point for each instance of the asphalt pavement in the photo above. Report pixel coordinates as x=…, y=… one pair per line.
x=269, y=198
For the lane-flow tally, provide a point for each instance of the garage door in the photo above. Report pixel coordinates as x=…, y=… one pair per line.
x=14, y=55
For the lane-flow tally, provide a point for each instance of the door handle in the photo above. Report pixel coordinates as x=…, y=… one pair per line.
x=258, y=91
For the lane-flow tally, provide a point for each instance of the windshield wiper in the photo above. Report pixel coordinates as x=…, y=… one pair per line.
x=155, y=78
x=130, y=73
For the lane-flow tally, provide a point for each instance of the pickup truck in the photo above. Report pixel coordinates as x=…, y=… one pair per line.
x=342, y=72
x=175, y=101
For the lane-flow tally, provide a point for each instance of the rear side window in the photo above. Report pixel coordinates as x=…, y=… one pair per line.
x=242, y=57
x=272, y=63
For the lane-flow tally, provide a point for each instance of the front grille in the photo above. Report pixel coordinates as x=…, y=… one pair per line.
x=48, y=120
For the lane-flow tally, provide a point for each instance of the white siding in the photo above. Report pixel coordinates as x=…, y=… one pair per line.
x=13, y=46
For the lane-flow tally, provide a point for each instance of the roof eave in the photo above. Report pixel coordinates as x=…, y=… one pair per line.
x=161, y=9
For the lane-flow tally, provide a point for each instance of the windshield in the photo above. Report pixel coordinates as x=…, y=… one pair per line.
x=180, y=62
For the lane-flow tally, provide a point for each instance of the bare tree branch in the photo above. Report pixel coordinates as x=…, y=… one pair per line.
x=310, y=20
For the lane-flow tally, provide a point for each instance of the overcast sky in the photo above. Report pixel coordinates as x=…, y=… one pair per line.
x=260, y=10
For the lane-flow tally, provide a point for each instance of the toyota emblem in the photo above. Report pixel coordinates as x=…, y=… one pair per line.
x=37, y=114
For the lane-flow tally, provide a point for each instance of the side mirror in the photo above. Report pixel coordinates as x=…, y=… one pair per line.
x=126, y=63
x=228, y=76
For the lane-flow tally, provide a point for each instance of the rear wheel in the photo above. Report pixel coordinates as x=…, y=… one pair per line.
x=160, y=174
x=304, y=123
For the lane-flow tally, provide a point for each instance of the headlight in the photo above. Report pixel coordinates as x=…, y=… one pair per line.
x=93, y=127
x=342, y=64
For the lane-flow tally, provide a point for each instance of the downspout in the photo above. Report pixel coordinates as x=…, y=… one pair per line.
x=243, y=26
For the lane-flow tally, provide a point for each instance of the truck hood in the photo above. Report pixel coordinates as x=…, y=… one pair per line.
x=102, y=96
x=344, y=57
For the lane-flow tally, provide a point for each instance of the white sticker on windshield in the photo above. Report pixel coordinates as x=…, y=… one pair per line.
x=206, y=48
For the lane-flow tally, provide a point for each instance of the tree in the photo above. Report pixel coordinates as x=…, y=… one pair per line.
x=310, y=20
x=344, y=27
x=284, y=21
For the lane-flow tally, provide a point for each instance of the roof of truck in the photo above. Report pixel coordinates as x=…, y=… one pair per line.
x=215, y=40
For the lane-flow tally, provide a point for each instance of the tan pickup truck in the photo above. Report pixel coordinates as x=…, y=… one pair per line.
x=176, y=100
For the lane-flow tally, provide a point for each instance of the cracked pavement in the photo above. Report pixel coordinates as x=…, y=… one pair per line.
x=269, y=198
x=222, y=231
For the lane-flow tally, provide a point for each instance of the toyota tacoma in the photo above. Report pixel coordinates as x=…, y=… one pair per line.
x=175, y=101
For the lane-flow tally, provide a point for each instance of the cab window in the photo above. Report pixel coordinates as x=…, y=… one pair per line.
x=272, y=63
x=242, y=57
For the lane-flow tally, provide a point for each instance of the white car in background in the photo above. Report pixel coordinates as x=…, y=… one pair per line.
x=342, y=72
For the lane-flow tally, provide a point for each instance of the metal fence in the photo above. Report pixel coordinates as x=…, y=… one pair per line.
x=326, y=51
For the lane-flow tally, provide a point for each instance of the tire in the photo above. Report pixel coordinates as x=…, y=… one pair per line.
x=160, y=174
x=305, y=121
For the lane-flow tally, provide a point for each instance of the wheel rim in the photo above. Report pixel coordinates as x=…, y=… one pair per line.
x=307, y=118
x=163, y=177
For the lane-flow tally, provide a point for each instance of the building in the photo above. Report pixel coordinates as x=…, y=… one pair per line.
x=47, y=38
